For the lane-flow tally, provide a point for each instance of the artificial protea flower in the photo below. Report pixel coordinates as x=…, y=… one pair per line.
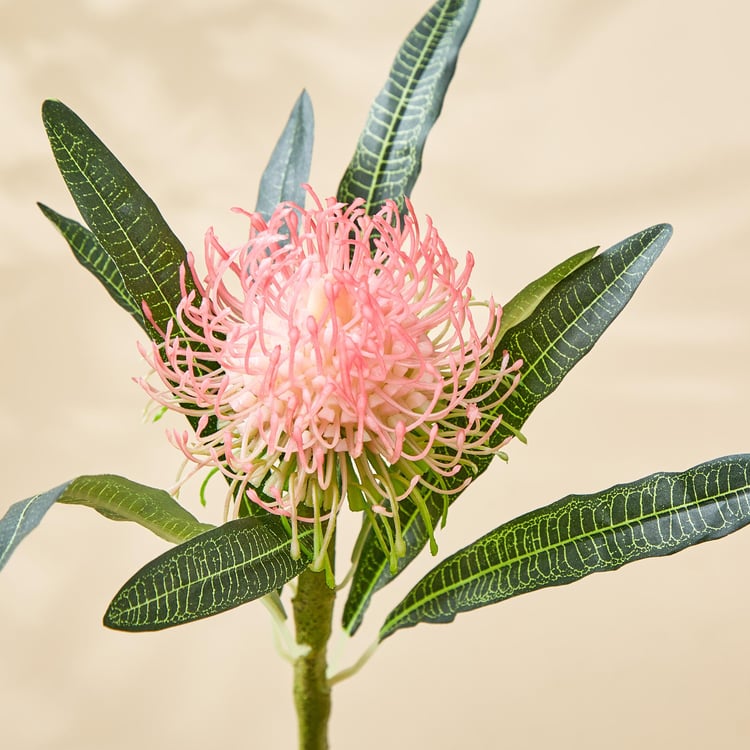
x=333, y=357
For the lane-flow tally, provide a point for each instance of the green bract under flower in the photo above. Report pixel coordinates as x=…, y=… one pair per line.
x=333, y=357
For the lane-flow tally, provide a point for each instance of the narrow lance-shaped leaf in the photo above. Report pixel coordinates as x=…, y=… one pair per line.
x=289, y=166
x=388, y=156
x=583, y=534
x=114, y=497
x=570, y=320
x=124, y=220
x=92, y=256
x=216, y=571
x=559, y=332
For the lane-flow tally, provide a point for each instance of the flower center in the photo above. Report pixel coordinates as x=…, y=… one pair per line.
x=328, y=297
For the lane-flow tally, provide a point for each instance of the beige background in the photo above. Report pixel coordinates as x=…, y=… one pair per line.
x=569, y=123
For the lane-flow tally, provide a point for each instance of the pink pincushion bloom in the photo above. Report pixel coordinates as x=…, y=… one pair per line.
x=329, y=358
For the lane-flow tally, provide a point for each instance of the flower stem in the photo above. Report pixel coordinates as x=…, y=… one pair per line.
x=313, y=611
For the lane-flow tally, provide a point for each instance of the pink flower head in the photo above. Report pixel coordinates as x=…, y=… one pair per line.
x=334, y=356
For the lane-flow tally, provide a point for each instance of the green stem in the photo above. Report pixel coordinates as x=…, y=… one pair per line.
x=313, y=612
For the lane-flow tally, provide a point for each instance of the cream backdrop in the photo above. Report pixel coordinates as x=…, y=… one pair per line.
x=569, y=123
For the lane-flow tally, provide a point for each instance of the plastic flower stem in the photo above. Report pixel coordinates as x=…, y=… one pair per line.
x=313, y=612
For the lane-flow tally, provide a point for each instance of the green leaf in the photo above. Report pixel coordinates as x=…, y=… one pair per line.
x=121, y=499
x=124, y=220
x=289, y=166
x=92, y=256
x=221, y=569
x=22, y=518
x=559, y=332
x=388, y=156
x=569, y=321
x=527, y=300
x=115, y=497
x=583, y=534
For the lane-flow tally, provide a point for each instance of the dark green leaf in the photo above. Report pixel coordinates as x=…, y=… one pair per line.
x=558, y=333
x=388, y=156
x=22, y=518
x=583, y=534
x=569, y=320
x=221, y=569
x=92, y=256
x=124, y=220
x=289, y=166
